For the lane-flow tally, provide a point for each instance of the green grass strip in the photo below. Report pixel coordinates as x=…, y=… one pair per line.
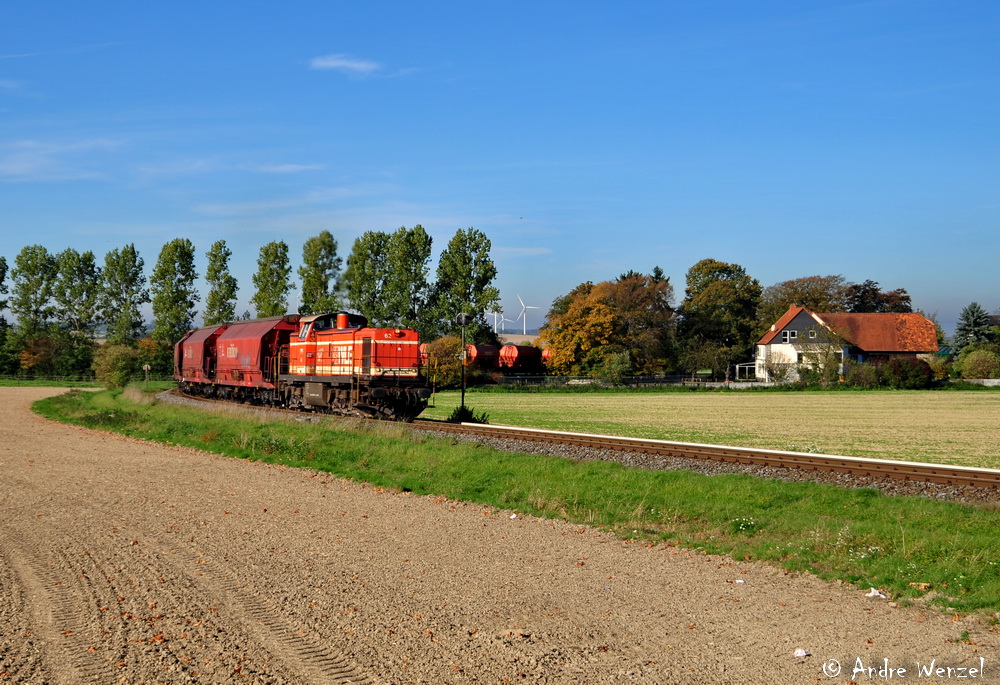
x=31, y=382
x=859, y=536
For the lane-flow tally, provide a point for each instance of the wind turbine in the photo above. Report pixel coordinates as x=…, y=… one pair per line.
x=524, y=315
x=497, y=319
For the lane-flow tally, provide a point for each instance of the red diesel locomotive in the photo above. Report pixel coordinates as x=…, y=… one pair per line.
x=326, y=362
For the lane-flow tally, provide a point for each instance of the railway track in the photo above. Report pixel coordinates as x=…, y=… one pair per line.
x=874, y=469
x=943, y=474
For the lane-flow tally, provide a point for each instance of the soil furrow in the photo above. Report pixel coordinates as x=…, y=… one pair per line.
x=304, y=654
x=21, y=658
x=60, y=596
x=179, y=566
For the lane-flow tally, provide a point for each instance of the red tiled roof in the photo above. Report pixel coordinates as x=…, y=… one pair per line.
x=884, y=332
x=869, y=332
x=785, y=319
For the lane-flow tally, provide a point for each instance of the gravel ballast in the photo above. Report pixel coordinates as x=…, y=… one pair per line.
x=889, y=486
x=126, y=561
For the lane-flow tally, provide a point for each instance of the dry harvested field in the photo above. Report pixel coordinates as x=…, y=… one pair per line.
x=943, y=427
x=123, y=561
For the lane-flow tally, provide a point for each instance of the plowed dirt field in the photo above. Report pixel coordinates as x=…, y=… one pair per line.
x=125, y=561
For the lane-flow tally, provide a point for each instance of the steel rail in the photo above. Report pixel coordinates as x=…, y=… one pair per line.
x=946, y=474
x=918, y=472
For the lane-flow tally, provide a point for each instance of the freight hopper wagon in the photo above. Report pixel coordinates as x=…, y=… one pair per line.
x=327, y=362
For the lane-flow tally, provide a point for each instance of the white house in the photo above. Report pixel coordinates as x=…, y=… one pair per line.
x=801, y=337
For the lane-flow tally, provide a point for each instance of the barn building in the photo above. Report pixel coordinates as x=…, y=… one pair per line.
x=801, y=337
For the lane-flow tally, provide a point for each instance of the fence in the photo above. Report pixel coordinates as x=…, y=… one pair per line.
x=698, y=379
x=76, y=378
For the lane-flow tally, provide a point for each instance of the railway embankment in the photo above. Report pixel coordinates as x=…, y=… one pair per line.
x=139, y=562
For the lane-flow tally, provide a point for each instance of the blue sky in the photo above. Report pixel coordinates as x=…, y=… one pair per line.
x=584, y=138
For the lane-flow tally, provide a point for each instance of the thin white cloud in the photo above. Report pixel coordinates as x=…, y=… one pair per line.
x=31, y=160
x=184, y=167
x=190, y=167
x=285, y=168
x=346, y=64
x=7, y=83
x=21, y=55
x=263, y=207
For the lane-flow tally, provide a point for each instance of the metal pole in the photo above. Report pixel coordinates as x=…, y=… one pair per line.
x=463, y=370
x=463, y=320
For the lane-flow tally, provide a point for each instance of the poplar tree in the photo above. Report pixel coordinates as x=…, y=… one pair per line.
x=320, y=273
x=220, y=304
x=32, y=278
x=271, y=280
x=367, y=274
x=6, y=360
x=77, y=291
x=123, y=292
x=465, y=277
x=174, y=298
x=3, y=287
x=30, y=342
x=407, y=292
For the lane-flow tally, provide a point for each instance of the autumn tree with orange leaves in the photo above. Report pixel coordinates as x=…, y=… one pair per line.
x=623, y=325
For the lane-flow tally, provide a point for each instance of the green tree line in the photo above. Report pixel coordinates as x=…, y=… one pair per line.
x=631, y=325
x=61, y=302
x=628, y=325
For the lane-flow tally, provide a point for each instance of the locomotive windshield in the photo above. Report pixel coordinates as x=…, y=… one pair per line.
x=318, y=322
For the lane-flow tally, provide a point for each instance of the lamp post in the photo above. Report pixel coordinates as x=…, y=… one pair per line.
x=463, y=320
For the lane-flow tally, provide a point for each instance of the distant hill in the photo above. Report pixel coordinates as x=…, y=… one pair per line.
x=518, y=339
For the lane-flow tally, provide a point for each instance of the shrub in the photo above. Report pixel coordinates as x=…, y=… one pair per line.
x=616, y=365
x=444, y=368
x=981, y=364
x=908, y=373
x=465, y=414
x=806, y=375
x=862, y=375
x=116, y=365
x=777, y=371
x=941, y=368
x=37, y=354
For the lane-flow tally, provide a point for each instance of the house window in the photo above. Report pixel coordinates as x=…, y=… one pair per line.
x=789, y=336
x=812, y=334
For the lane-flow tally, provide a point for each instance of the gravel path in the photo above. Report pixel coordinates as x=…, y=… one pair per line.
x=125, y=561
